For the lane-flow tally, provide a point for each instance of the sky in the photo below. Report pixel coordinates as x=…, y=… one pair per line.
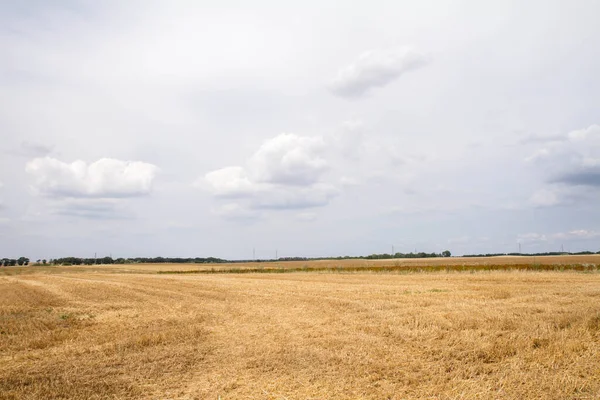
x=201, y=128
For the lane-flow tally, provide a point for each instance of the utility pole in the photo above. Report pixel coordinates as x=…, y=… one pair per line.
x=254, y=254
x=393, y=251
x=276, y=255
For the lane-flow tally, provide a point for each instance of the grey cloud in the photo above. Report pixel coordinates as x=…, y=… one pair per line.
x=35, y=149
x=376, y=68
x=90, y=209
x=571, y=166
x=580, y=178
x=31, y=149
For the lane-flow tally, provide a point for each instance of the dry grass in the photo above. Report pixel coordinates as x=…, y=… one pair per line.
x=442, y=335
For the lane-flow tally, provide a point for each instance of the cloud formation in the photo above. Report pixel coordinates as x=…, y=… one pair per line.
x=100, y=209
x=570, y=165
x=105, y=178
x=284, y=173
x=583, y=234
x=289, y=159
x=576, y=151
x=584, y=177
x=230, y=182
x=376, y=68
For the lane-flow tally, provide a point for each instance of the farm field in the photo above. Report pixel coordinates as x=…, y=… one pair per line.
x=80, y=334
x=347, y=264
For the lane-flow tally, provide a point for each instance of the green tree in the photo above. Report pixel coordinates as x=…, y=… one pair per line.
x=446, y=253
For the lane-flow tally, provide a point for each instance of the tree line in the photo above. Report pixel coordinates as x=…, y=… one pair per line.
x=382, y=256
x=135, y=260
x=550, y=253
x=11, y=262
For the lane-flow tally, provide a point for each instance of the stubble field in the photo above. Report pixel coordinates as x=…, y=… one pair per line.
x=80, y=334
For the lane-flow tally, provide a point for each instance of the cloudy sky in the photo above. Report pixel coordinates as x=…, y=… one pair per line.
x=174, y=128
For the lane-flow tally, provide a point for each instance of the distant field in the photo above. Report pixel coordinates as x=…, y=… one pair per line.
x=360, y=263
x=68, y=333
x=568, y=260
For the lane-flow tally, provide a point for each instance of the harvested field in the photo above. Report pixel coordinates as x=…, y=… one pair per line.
x=86, y=335
x=453, y=263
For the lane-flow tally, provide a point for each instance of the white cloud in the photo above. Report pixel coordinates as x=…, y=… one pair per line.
x=284, y=173
x=105, y=178
x=376, y=68
x=289, y=159
x=229, y=182
x=593, y=131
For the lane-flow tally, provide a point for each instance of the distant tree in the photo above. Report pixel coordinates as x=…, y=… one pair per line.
x=44, y=261
x=446, y=253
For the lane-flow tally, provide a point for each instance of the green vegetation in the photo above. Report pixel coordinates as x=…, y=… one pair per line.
x=396, y=268
x=11, y=262
x=551, y=253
